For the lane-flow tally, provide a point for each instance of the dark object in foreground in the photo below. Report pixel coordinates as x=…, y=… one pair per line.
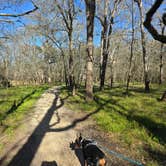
x=93, y=156
x=163, y=97
x=150, y=27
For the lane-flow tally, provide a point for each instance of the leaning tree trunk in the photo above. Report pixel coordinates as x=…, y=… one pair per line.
x=90, y=12
x=163, y=98
x=145, y=66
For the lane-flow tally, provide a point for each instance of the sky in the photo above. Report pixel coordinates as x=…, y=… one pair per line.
x=27, y=5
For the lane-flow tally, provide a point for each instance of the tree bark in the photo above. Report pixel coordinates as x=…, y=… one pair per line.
x=104, y=45
x=107, y=23
x=161, y=60
x=163, y=98
x=131, y=49
x=149, y=26
x=111, y=78
x=90, y=12
x=71, y=69
x=68, y=17
x=145, y=66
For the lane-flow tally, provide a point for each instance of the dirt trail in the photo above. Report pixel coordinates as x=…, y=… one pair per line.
x=44, y=140
x=46, y=136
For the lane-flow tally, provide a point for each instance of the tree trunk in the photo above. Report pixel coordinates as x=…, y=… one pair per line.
x=65, y=70
x=90, y=12
x=101, y=54
x=68, y=17
x=131, y=50
x=71, y=67
x=161, y=60
x=163, y=98
x=111, y=77
x=105, y=47
x=104, y=63
x=145, y=66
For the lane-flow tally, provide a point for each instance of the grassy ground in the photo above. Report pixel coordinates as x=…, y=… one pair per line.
x=137, y=121
x=15, y=102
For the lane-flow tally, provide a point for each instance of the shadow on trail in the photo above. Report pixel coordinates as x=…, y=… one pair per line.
x=26, y=154
x=15, y=106
x=79, y=120
x=11, y=149
x=49, y=163
x=58, y=119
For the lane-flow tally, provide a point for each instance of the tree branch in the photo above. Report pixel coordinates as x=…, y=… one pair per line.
x=149, y=26
x=21, y=14
x=63, y=15
x=100, y=19
x=8, y=21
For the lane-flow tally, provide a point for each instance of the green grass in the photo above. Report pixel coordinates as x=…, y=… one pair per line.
x=24, y=97
x=136, y=120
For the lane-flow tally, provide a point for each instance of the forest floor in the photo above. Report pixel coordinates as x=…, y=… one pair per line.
x=45, y=136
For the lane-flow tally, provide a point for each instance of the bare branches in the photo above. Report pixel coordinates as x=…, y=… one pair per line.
x=116, y=3
x=20, y=14
x=8, y=21
x=100, y=19
x=149, y=26
x=68, y=14
x=63, y=15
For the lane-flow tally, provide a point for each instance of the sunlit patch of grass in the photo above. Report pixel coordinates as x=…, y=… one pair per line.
x=10, y=119
x=137, y=118
x=110, y=121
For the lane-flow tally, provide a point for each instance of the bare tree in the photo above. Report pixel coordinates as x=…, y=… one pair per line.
x=144, y=53
x=90, y=13
x=131, y=47
x=68, y=18
x=106, y=20
x=154, y=33
x=58, y=44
